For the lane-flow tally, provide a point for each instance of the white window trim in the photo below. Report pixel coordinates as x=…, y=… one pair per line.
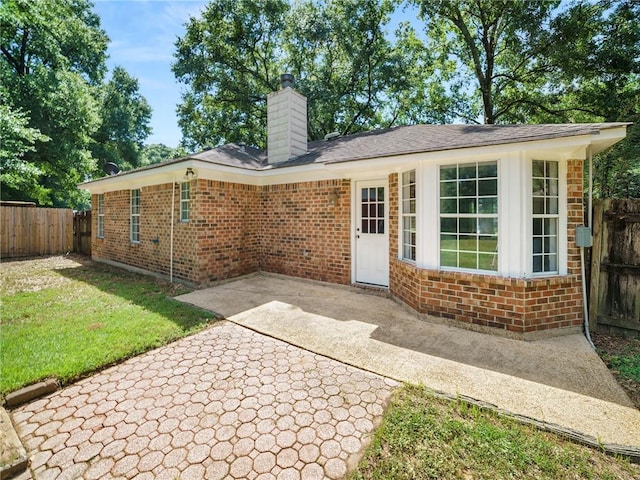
x=132, y=215
x=184, y=202
x=543, y=216
x=515, y=244
x=402, y=215
x=100, y=222
x=500, y=233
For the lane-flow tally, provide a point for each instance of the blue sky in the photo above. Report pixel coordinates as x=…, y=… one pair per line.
x=143, y=35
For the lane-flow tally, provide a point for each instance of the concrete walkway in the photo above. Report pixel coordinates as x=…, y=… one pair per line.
x=225, y=403
x=559, y=383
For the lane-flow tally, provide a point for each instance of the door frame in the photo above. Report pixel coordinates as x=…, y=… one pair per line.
x=380, y=181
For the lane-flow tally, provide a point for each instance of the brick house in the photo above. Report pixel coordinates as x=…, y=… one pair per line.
x=472, y=223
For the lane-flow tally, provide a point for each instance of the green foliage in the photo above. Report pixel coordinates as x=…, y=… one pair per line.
x=52, y=66
x=158, y=152
x=111, y=315
x=125, y=122
x=422, y=437
x=354, y=77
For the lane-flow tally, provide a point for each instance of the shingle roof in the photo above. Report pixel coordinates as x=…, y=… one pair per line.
x=391, y=142
x=401, y=141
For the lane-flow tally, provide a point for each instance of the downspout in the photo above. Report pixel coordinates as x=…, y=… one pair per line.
x=173, y=202
x=582, y=262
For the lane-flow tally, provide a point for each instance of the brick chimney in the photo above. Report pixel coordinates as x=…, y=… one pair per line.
x=286, y=122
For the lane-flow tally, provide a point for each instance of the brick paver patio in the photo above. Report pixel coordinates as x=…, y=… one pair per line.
x=224, y=403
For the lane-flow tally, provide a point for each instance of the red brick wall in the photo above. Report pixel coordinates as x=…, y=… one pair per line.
x=305, y=230
x=155, y=224
x=515, y=305
x=300, y=230
x=225, y=218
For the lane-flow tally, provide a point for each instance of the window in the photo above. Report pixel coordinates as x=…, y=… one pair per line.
x=372, y=220
x=184, y=201
x=469, y=216
x=101, y=216
x=409, y=215
x=135, y=216
x=544, y=183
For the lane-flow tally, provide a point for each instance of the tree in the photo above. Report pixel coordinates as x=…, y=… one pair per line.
x=125, y=122
x=229, y=61
x=17, y=138
x=158, y=152
x=52, y=60
x=500, y=54
x=354, y=77
x=518, y=61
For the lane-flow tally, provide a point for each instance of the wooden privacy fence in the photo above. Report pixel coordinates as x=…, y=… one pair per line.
x=614, y=304
x=35, y=231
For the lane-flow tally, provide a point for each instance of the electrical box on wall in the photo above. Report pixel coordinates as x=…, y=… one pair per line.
x=583, y=236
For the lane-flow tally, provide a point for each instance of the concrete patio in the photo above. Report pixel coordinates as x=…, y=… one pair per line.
x=558, y=383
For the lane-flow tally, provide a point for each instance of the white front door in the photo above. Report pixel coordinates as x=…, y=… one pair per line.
x=372, y=233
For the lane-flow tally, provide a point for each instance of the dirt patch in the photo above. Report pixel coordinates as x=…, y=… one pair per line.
x=614, y=350
x=35, y=274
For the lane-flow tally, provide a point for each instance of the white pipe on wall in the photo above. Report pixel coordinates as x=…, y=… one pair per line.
x=173, y=202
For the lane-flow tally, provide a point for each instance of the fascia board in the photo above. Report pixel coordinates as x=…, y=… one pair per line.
x=175, y=172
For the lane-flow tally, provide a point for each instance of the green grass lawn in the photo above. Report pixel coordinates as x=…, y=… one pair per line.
x=64, y=317
x=424, y=437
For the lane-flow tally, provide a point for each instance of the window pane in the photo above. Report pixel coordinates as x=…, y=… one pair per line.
x=448, y=189
x=538, y=168
x=468, y=243
x=448, y=173
x=468, y=188
x=372, y=226
x=488, y=205
x=488, y=244
x=449, y=206
x=381, y=210
x=552, y=187
x=537, y=226
x=448, y=242
x=381, y=225
x=448, y=225
x=468, y=260
x=550, y=226
x=488, y=226
x=488, y=187
x=448, y=259
x=538, y=186
x=365, y=194
x=552, y=206
x=538, y=205
x=537, y=263
x=489, y=169
x=537, y=245
x=468, y=225
x=467, y=171
x=372, y=194
x=373, y=210
x=551, y=263
x=365, y=210
x=365, y=226
x=381, y=194
x=487, y=261
x=552, y=169
x=467, y=205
